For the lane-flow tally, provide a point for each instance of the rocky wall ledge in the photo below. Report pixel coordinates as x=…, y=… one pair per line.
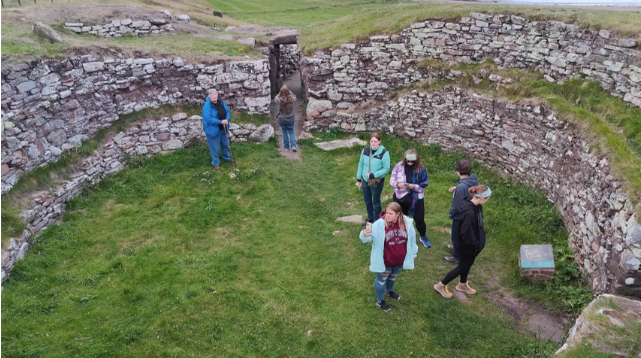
x=51, y=106
x=120, y=27
x=529, y=143
x=338, y=78
x=145, y=138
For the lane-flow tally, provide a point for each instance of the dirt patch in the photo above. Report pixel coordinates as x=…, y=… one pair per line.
x=447, y=230
x=530, y=316
x=460, y=296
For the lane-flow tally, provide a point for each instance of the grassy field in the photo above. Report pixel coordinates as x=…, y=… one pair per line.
x=322, y=23
x=172, y=259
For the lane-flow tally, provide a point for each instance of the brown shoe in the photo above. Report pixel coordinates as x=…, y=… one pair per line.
x=232, y=161
x=442, y=289
x=464, y=287
x=451, y=260
x=217, y=168
x=449, y=248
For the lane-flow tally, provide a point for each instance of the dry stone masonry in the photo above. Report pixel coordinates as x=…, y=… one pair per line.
x=146, y=138
x=350, y=74
x=289, y=60
x=51, y=106
x=120, y=27
x=528, y=142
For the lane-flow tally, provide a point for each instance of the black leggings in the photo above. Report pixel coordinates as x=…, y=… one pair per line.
x=463, y=269
x=419, y=211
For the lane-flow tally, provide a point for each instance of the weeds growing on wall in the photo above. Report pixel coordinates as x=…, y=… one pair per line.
x=611, y=126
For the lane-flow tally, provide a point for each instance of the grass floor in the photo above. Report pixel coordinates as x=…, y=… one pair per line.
x=171, y=259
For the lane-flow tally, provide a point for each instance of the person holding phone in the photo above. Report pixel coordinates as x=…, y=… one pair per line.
x=394, y=248
x=409, y=179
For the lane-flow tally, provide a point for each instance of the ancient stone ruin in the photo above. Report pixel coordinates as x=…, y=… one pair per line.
x=120, y=27
x=50, y=106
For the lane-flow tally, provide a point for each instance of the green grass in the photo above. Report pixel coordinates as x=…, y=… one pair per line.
x=26, y=44
x=20, y=43
x=606, y=336
x=172, y=259
x=54, y=173
x=392, y=18
x=175, y=45
x=293, y=13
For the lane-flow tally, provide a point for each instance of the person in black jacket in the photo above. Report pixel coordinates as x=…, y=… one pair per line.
x=460, y=194
x=470, y=240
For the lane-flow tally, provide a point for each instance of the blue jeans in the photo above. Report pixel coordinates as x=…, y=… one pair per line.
x=455, y=225
x=384, y=282
x=288, y=135
x=372, y=197
x=218, y=142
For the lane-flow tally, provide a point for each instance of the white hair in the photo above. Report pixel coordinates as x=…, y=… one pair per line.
x=212, y=91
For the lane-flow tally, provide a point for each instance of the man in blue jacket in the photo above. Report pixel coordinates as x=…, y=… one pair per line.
x=216, y=117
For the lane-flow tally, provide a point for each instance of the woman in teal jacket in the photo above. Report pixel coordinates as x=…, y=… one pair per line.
x=370, y=177
x=394, y=248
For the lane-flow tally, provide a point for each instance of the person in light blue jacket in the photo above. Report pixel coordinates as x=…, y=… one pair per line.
x=394, y=248
x=373, y=165
x=216, y=117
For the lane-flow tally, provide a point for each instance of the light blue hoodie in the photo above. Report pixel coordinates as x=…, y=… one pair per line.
x=378, y=242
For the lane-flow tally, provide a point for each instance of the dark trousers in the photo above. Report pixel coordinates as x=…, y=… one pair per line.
x=455, y=225
x=372, y=198
x=419, y=211
x=463, y=269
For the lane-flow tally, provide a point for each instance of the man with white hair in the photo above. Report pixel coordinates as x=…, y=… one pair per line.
x=216, y=117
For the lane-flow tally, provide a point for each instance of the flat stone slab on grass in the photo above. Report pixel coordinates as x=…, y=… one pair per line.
x=341, y=143
x=356, y=219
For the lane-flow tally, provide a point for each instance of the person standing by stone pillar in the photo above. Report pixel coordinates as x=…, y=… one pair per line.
x=216, y=117
x=286, y=118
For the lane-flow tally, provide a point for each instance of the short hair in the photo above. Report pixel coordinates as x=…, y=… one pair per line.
x=464, y=167
x=212, y=91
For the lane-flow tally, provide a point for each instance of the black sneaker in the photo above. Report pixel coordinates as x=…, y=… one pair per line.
x=383, y=305
x=394, y=295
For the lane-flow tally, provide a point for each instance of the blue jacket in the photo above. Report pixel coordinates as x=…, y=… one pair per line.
x=378, y=242
x=380, y=163
x=210, y=118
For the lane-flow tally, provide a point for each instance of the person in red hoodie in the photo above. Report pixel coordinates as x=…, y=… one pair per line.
x=394, y=248
x=470, y=240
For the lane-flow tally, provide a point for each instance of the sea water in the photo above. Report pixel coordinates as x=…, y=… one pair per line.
x=606, y=3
